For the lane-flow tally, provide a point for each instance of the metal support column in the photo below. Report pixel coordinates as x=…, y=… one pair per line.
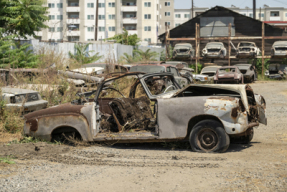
x=263, y=47
x=196, y=47
x=229, y=43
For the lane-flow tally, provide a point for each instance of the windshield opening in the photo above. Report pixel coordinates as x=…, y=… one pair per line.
x=148, y=69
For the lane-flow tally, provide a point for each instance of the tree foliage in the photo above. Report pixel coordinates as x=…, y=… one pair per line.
x=126, y=39
x=22, y=17
x=16, y=55
x=82, y=54
x=147, y=55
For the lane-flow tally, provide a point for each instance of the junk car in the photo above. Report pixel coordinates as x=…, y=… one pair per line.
x=279, y=49
x=183, y=50
x=130, y=110
x=247, y=50
x=206, y=74
x=276, y=71
x=158, y=68
x=248, y=71
x=229, y=74
x=22, y=100
x=214, y=50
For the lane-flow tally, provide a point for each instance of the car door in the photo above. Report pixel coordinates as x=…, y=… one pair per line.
x=180, y=80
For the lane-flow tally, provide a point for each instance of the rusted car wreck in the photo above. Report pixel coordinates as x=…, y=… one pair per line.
x=205, y=115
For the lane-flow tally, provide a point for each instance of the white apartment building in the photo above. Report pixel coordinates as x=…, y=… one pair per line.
x=84, y=20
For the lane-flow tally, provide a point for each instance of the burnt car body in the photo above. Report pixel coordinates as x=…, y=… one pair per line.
x=183, y=51
x=279, y=49
x=276, y=71
x=247, y=50
x=248, y=72
x=175, y=63
x=22, y=100
x=205, y=115
x=214, y=50
x=229, y=74
x=161, y=68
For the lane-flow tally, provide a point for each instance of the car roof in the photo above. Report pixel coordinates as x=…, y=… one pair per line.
x=16, y=91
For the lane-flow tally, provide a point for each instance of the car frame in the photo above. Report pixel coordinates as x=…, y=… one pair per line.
x=214, y=50
x=183, y=51
x=233, y=76
x=276, y=71
x=247, y=50
x=205, y=115
x=279, y=49
x=248, y=71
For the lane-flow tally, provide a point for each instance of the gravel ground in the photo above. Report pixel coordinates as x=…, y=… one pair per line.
x=258, y=166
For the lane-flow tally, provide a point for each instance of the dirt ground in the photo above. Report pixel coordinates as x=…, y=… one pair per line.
x=258, y=166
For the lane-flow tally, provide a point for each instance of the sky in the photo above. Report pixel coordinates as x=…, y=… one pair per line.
x=186, y=4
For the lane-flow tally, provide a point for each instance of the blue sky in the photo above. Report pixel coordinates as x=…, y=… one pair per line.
x=186, y=4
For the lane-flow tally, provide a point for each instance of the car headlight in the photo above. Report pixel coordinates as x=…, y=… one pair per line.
x=204, y=51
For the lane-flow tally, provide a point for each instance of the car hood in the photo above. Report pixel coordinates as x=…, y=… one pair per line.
x=241, y=89
x=213, y=47
x=226, y=75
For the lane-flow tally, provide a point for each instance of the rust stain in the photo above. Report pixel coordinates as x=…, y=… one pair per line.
x=234, y=112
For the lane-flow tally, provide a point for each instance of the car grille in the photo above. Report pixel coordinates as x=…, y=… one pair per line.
x=243, y=71
x=245, y=49
x=213, y=50
x=182, y=50
x=281, y=49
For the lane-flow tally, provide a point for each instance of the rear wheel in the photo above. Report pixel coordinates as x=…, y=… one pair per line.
x=209, y=136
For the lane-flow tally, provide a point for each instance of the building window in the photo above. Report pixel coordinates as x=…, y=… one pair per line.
x=101, y=28
x=147, y=16
x=91, y=17
x=101, y=17
x=274, y=13
x=167, y=13
x=60, y=17
x=59, y=29
x=167, y=23
x=112, y=17
x=147, y=4
x=285, y=14
x=148, y=40
x=187, y=16
x=261, y=15
x=90, y=5
x=90, y=29
x=167, y=4
x=90, y=39
x=51, y=17
x=112, y=28
x=51, y=29
x=59, y=5
x=177, y=15
x=101, y=5
x=177, y=24
x=51, y=5
x=250, y=15
x=147, y=28
x=112, y=4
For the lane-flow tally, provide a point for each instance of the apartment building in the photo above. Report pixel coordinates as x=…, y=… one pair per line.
x=85, y=20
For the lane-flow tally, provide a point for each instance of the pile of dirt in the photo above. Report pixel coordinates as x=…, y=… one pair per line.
x=32, y=150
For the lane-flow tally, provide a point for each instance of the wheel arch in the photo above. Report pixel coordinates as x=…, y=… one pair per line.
x=196, y=119
x=65, y=129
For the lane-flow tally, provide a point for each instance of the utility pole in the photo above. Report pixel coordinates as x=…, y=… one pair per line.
x=254, y=9
x=97, y=19
x=192, y=9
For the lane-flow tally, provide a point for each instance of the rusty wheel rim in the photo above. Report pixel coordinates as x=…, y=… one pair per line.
x=207, y=139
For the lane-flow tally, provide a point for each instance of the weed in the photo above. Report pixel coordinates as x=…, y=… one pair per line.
x=6, y=160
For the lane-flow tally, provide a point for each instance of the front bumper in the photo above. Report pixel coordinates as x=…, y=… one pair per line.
x=246, y=54
x=212, y=55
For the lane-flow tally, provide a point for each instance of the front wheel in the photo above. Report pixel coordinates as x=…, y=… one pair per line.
x=209, y=136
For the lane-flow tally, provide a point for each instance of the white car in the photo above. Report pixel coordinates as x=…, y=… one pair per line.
x=206, y=74
x=247, y=49
x=214, y=50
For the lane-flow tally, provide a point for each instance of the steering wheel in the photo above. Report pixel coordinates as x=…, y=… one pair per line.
x=105, y=88
x=169, y=88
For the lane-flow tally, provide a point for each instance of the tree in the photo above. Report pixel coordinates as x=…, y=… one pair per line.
x=147, y=55
x=82, y=54
x=16, y=55
x=22, y=17
x=126, y=39
x=126, y=58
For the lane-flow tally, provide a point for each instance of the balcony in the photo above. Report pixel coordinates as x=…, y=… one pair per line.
x=129, y=8
x=274, y=18
x=73, y=21
x=131, y=20
x=132, y=32
x=73, y=33
x=73, y=9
